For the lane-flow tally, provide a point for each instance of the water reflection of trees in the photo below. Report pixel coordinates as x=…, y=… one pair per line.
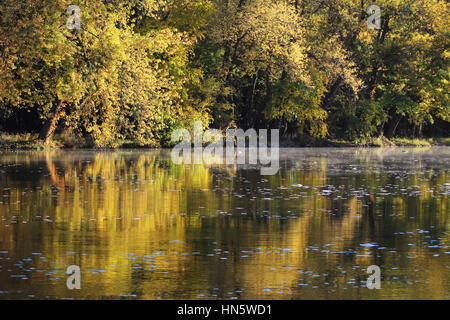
x=109, y=204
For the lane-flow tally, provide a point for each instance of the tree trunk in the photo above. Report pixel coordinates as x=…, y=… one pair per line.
x=331, y=93
x=268, y=99
x=392, y=127
x=372, y=86
x=49, y=127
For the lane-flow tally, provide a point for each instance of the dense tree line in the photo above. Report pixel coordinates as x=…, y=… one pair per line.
x=138, y=69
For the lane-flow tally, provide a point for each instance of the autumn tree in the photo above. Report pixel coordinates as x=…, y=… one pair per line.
x=115, y=78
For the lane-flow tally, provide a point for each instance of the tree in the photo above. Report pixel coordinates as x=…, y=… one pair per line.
x=109, y=80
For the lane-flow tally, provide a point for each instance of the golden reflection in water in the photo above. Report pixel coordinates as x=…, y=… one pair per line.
x=141, y=227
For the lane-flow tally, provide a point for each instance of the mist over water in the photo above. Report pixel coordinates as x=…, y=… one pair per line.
x=141, y=227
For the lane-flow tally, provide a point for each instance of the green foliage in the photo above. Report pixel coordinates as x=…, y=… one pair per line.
x=106, y=80
x=139, y=69
x=358, y=120
x=296, y=105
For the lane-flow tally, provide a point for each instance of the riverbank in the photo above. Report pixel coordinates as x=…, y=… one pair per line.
x=28, y=141
x=376, y=142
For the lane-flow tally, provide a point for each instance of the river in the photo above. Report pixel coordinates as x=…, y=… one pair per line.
x=141, y=227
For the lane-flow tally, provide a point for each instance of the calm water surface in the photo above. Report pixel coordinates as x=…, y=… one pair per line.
x=141, y=227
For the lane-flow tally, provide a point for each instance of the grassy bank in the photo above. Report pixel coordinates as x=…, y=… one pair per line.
x=28, y=141
x=376, y=142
